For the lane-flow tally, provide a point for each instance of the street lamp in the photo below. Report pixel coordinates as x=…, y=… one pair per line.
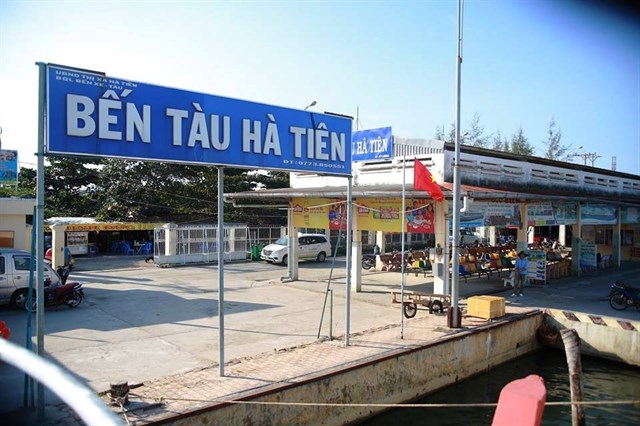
x=310, y=105
x=573, y=152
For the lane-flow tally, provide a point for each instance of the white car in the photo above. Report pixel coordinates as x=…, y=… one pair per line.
x=14, y=276
x=466, y=237
x=310, y=246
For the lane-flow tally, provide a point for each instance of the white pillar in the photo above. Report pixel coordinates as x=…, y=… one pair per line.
x=232, y=239
x=170, y=239
x=58, y=242
x=441, y=265
x=493, y=238
x=356, y=264
x=293, y=248
x=562, y=235
x=617, y=241
x=380, y=241
x=576, y=242
x=525, y=235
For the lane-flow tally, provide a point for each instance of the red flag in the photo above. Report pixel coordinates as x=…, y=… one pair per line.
x=424, y=181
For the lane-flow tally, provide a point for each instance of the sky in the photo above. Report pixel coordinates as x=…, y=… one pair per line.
x=388, y=63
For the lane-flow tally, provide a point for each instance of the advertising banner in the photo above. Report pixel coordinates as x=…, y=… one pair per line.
x=420, y=216
x=311, y=212
x=588, y=255
x=502, y=214
x=8, y=167
x=551, y=214
x=379, y=214
x=598, y=214
x=630, y=215
x=383, y=214
x=489, y=214
x=537, y=265
x=95, y=115
x=566, y=213
x=113, y=226
x=372, y=144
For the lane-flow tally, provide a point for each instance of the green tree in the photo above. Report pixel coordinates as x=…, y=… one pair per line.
x=499, y=143
x=26, y=187
x=475, y=134
x=451, y=137
x=178, y=193
x=72, y=187
x=554, y=149
x=520, y=144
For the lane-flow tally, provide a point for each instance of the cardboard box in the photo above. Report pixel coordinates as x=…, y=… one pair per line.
x=487, y=307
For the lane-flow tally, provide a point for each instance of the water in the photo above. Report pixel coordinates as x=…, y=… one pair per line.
x=602, y=380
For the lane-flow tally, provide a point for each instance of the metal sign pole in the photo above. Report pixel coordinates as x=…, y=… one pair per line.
x=39, y=224
x=220, y=239
x=402, y=213
x=455, y=278
x=348, y=278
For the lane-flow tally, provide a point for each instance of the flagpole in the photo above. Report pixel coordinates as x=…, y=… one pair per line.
x=455, y=278
x=404, y=226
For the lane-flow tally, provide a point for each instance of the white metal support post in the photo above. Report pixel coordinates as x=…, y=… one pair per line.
x=404, y=228
x=617, y=239
x=455, y=320
x=347, y=290
x=220, y=243
x=40, y=231
x=292, y=256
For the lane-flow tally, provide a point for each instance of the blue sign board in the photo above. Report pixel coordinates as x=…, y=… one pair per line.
x=372, y=144
x=598, y=214
x=8, y=167
x=99, y=116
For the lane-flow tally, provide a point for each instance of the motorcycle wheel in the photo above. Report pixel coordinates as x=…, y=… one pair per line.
x=618, y=301
x=31, y=305
x=73, y=299
x=366, y=264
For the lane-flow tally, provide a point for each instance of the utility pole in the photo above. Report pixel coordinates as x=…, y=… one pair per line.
x=589, y=156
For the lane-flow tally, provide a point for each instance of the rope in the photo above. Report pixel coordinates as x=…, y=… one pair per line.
x=356, y=205
x=432, y=405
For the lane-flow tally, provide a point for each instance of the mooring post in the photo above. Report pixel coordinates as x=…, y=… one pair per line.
x=571, y=342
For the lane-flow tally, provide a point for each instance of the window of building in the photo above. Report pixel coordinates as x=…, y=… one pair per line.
x=604, y=236
x=6, y=239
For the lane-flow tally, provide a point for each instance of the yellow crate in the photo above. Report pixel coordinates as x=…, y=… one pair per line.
x=487, y=307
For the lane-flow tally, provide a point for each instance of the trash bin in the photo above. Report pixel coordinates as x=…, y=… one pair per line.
x=255, y=251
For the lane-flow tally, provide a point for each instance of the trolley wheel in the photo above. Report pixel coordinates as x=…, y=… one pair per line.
x=436, y=307
x=410, y=310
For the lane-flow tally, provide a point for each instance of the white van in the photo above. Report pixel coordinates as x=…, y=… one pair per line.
x=14, y=276
x=310, y=246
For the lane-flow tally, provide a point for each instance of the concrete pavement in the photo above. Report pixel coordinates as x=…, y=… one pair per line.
x=145, y=324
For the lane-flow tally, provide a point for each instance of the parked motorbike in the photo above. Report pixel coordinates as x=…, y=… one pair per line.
x=63, y=272
x=622, y=296
x=68, y=294
x=368, y=261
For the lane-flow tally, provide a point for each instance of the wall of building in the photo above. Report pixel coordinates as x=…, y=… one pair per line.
x=13, y=218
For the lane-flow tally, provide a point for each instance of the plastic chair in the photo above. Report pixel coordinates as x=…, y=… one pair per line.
x=127, y=250
x=146, y=249
x=463, y=272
